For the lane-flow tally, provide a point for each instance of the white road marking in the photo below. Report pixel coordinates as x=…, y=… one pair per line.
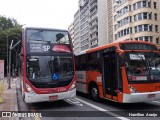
x=101, y=109
x=73, y=101
x=156, y=102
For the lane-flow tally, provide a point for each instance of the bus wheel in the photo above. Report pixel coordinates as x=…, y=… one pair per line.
x=94, y=92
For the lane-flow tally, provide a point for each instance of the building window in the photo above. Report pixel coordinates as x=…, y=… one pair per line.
x=156, y=28
x=140, y=28
x=145, y=27
x=155, y=5
x=145, y=15
x=136, y=38
x=130, y=19
x=144, y=3
x=141, y=4
x=134, y=6
x=124, y=31
x=127, y=30
x=139, y=16
x=130, y=30
x=150, y=27
x=157, y=40
x=145, y=38
x=149, y=4
x=135, y=29
x=115, y=36
x=140, y=38
x=150, y=16
x=155, y=16
x=129, y=7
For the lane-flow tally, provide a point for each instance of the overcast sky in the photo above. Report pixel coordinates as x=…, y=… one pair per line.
x=40, y=13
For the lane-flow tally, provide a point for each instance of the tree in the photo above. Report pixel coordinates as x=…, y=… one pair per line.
x=9, y=29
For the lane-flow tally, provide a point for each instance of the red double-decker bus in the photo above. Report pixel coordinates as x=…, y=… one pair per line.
x=47, y=71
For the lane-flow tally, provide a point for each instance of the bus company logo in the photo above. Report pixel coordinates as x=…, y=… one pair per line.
x=6, y=114
x=45, y=48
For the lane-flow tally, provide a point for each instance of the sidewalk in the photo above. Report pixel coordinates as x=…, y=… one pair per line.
x=10, y=99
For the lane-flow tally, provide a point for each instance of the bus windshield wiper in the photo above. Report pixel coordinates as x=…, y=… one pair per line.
x=47, y=77
x=33, y=34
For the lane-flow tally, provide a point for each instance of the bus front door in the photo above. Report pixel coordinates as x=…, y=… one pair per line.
x=110, y=75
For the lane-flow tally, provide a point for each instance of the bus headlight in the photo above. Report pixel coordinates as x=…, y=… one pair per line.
x=73, y=86
x=132, y=89
x=30, y=89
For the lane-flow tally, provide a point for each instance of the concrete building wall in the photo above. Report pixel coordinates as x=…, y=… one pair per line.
x=93, y=19
x=71, y=31
x=77, y=45
x=104, y=23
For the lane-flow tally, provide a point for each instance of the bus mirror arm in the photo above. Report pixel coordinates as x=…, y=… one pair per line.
x=120, y=52
x=121, y=61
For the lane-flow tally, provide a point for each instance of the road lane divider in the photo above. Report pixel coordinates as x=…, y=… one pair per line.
x=156, y=102
x=74, y=101
x=102, y=109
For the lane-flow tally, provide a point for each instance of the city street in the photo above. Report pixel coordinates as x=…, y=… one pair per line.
x=82, y=107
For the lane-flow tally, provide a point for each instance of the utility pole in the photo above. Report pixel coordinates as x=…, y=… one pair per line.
x=9, y=85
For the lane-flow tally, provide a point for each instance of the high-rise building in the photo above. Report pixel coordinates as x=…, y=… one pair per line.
x=136, y=20
x=90, y=25
x=77, y=44
x=71, y=31
x=99, y=22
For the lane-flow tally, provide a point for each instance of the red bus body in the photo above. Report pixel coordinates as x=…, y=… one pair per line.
x=44, y=56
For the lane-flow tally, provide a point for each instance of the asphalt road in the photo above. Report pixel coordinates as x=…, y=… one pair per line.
x=84, y=108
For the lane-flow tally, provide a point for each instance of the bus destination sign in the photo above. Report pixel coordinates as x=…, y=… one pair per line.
x=47, y=48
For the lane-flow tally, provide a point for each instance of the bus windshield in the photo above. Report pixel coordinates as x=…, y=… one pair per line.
x=50, y=71
x=51, y=36
x=142, y=66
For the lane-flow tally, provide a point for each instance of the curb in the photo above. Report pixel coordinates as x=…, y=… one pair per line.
x=16, y=92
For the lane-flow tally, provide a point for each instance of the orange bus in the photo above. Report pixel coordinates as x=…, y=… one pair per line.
x=124, y=72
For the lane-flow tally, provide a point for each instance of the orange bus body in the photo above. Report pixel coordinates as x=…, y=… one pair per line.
x=101, y=74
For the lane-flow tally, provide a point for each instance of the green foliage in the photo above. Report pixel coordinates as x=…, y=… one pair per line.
x=9, y=29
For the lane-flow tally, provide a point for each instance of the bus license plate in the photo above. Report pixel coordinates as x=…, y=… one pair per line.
x=151, y=95
x=55, y=97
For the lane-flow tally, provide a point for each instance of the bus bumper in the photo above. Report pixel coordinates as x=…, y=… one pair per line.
x=141, y=97
x=34, y=98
